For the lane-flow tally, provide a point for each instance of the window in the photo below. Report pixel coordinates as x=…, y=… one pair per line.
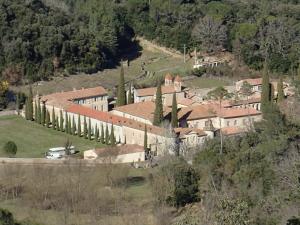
x=228, y=123
x=235, y=122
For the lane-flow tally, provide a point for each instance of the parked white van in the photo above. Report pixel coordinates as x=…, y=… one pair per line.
x=59, y=152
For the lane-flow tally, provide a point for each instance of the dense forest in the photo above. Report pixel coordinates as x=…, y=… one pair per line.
x=40, y=37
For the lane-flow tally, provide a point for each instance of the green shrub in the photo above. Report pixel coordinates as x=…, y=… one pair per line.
x=10, y=148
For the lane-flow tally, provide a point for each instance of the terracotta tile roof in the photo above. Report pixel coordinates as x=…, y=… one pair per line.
x=143, y=110
x=64, y=99
x=185, y=131
x=186, y=102
x=244, y=102
x=255, y=81
x=152, y=91
x=178, y=79
x=196, y=112
x=232, y=130
x=237, y=112
x=116, y=120
x=168, y=76
x=120, y=150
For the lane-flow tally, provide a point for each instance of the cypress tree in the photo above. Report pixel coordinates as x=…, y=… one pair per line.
x=39, y=113
x=112, y=136
x=266, y=90
x=106, y=135
x=47, y=119
x=53, y=121
x=18, y=103
x=121, y=95
x=79, y=126
x=36, y=112
x=69, y=125
x=61, y=122
x=84, y=128
x=158, y=113
x=66, y=123
x=90, y=130
x=129, y=96
x=96, y=136
x=30, y=104
x=26, y=109
x=102, y=135
x=73, y=126
x=145, y=139
x=57, y=124
x=174, y=116
x=43, y=114
x=280, y=95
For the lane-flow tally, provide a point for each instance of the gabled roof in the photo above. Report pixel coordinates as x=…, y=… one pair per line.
x=253, y=82
x=237, y=112
x=64, y=99
x=186, y=131
x=113, y=119
x=143, y=110
x=196, y=112
x=186, y=102
x=120, y=150
x=152, y=91
x=168, y=76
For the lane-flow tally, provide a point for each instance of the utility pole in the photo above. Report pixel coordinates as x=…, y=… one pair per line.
x=184, y=52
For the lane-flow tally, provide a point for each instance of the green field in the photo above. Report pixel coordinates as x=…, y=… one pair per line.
x=33, y=140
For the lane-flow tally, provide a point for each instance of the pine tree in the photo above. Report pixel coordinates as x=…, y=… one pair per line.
x=102, y=135
x=121, y=96
x=53, y=121
x=96, y=136
x=47, y=119
x=158, y=113
x=61, y=122
x=66, y=123
x=106, y=135
x=129, y=96
x=84, y=128
x=43, y=114
x=266, y=91
x=79, y=126
x=112, y=136
x=30, y=104
x=174, y=116
x=90, y=130
x=73, y=126
x=280, y=95
x=145, y=139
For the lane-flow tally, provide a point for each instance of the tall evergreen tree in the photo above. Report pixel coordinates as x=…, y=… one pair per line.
x=73, y=126
x=18, y=103
x=53, y=120
x=129, y=96
x=30, y=104
x=280, y=95
x=85, y=128
x=102, y=135
x=158, y=113
x=174, y=115
x=69, y=125
x=79, y=126
x=112, y=136
x=90, y=130
x=36, y=112
x=121, y=96
x=146, y=139
x=61, y=121
x=57, y=124
x=47, y=119
x=43, y=114
x=39, y=113
x=26, y=109
x=106, y=135
x=266, y=90
x=96, y=136
x=66, y=123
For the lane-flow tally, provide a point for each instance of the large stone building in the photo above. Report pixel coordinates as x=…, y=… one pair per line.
x=170, y=87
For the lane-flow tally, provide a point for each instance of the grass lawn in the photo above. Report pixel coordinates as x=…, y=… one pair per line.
x=34, y=140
